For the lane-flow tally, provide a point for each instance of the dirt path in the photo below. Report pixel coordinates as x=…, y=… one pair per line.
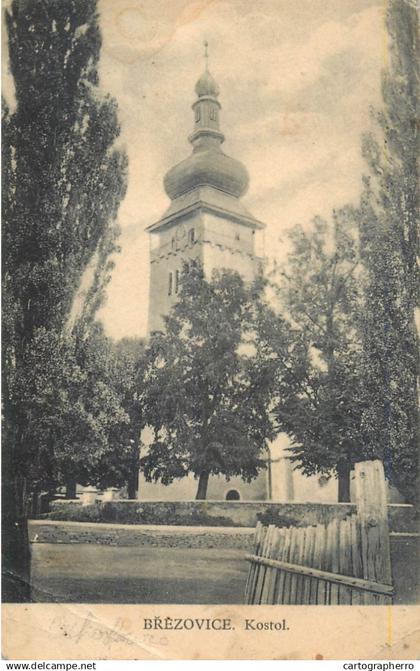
x=82, y=573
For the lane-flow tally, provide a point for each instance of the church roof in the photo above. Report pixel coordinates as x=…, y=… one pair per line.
x=210, y=166
x=208, y=199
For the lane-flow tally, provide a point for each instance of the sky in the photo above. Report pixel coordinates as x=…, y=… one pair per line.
x=297, y=80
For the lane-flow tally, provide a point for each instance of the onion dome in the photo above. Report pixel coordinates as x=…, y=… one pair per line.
x=208, y=165
x=211, y=167
x=206, y=86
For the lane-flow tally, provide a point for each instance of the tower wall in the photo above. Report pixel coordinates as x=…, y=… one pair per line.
x=172, y=247
x=228, y=245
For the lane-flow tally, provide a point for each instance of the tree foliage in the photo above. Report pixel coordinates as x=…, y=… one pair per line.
x=68, y=178
x=74, y=406
x=63, y=181
x=352, y=389
x=390, y=243
x=316, y=349
x=204, y=393
x=120, y=466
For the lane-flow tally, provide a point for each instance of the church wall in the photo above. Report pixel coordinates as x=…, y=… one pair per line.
x=281, y=470
x=185, y=489
x=256, y=490
x=314, y=488
x=290, y=484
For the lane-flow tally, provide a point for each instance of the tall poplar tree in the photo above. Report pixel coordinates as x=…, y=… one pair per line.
x=390, y=244
x=63, y=183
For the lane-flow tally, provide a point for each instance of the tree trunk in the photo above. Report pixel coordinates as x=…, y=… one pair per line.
x=16, y=556
x=343, y=471
x=71, y=489
x=203, y=482
x=133, y=485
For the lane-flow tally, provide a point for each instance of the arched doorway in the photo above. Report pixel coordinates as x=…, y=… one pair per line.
x=233, y=495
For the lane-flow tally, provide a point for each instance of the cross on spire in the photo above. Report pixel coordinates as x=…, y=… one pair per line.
x=206, y=53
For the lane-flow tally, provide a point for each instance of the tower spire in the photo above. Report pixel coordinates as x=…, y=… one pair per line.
x=206, y=109
x=206, y=54
x=207, y=165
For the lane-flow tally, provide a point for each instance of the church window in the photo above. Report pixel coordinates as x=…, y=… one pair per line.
x=176, y=281
x=197, y=114
x=173, y=243
x=191, y=236
x=170, y=283
x=213, y=114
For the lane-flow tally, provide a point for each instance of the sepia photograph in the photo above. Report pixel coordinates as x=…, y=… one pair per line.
x=210, y=316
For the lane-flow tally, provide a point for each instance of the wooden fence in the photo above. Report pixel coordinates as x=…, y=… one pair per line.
x=344, y=562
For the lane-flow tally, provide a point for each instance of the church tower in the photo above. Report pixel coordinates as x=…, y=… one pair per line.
x=206, y=220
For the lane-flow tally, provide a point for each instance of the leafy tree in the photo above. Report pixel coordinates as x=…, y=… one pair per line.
x=63, y=183
x=73, y=407
x=85, y=420
x=203, y=392
x=389, y=242
x=121, y=465
x=316, y=349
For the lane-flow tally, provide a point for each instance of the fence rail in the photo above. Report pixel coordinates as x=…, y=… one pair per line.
x=350, y=581
x=344, y=562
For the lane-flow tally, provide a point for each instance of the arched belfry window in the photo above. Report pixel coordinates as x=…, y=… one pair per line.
x=191, y=236
x=197, y=114
x=176, y=281
x=170, y=284
x=213, y=114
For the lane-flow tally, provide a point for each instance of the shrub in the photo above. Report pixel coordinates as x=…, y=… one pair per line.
x=138, y=513
x=271, y=516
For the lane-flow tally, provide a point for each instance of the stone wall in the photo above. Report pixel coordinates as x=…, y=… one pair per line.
x=47, y=531
x=219, y=513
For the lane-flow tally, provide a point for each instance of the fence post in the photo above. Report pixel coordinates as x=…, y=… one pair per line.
x=372, y=514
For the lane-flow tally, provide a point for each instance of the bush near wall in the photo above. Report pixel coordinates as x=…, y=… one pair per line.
x=218, y=513
x=124, y=512
x=197, y=513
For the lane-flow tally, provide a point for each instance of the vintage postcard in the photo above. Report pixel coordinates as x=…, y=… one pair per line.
x=210, y=329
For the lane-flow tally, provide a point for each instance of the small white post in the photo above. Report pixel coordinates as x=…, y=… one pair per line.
x=89, y=496
x=111, y=494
